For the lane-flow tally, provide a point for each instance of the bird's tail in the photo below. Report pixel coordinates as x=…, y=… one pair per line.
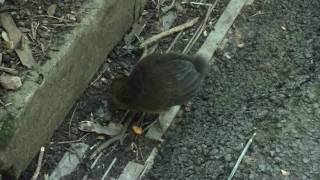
x=201, y=65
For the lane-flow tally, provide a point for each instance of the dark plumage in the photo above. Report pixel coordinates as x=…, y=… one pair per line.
x=160, y=81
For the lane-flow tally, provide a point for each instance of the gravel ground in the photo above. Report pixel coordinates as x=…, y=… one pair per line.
x=265, y=80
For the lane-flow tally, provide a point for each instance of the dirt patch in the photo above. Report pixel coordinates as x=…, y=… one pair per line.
x=266, y=79
x=271, y=86
x=44, y=29
x=95, y=104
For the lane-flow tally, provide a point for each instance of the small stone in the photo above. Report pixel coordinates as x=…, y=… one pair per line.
x=10, y=82
x=305, y=160
x=308, y=55
x=277, y=159
x=227, y=157
x=262, y=167
x=272, y=153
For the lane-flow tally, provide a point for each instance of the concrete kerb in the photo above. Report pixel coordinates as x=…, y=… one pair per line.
x=49, y=92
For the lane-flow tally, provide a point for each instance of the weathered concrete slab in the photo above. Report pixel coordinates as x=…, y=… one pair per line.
x=49, y=92
x=131, y=171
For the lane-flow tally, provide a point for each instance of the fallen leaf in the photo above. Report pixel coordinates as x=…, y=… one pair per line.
x=90, y=126
x=8, y=24
x=10, y=82
x=25, y=54
x=283, y=28
x=7, y=43
x=52, y=9
x=5, y=36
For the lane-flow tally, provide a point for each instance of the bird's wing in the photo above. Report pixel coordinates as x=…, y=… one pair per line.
x=171, y=81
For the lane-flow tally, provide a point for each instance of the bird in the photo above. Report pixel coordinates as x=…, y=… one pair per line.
x=160, y=81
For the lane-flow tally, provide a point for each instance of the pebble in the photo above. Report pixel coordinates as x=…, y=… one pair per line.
x=262, y=167
x=227, y=157
x=305, y=160
x=272, y=153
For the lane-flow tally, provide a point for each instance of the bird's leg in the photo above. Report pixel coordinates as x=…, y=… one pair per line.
x=126, y=124
x=141, y=118
x=124, y=116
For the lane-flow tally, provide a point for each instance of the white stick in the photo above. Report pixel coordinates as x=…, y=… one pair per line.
x=109, y=168
x=241, y=157
x=37, y=171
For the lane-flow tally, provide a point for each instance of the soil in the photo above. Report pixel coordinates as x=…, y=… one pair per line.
x=44, y=31
x=265, y=79
x=269, y=86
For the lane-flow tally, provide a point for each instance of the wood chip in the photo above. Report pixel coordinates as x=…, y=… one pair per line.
x=10, y=82
x=52, y=9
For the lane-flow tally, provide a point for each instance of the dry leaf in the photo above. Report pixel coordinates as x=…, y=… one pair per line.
x=89, y=126
x=5, y=36
x=25, y=54
x=8, y=24
x=137, y=130
x=7, y=43
x=10, y=82
x=51, y=9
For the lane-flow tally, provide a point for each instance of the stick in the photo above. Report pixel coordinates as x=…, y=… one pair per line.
x=200, y=29
x=241, y=157
x=109, y=168
x=174, y=42
x=197, y=3
x=8, y=70
x=104, y=145
x=70, y=122
x=169, y=32
x=37, y=171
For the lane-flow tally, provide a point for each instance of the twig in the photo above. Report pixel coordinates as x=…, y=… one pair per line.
x=37, y=171
x=197, y=3
x=8, y=70
x=169, y=32
x=53, y=17
x=241, y=157
x=200, y=28
x=150, y=125
x=104, y=145
x=72, y=141
x=124, y=116
x=70, y=122
x=99, y=76
x=109, y=168
x=174, y=42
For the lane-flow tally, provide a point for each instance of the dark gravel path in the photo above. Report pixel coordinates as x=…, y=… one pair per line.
x=271, y=86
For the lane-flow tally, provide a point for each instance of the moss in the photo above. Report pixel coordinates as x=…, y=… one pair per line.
x=7, y=127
